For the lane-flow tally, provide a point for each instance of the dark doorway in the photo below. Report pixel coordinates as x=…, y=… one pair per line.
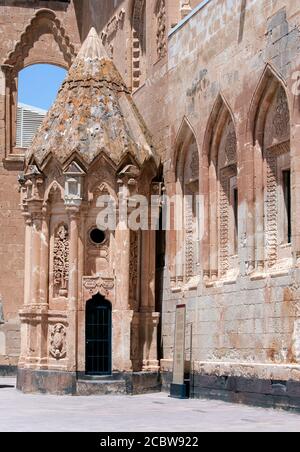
x=98, y=336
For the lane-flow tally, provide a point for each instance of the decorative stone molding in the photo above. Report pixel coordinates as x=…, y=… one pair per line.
x=92, y=285
x=133, y=270
x=61, y=260
x=58, y=341
x=189, y=241
x=44, y=19
x=272, y=201
x=138, y=39
x=112, y=28
x=161, y=29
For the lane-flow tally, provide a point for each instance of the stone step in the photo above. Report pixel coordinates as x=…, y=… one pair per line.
x=100, y=387
x=113, y=377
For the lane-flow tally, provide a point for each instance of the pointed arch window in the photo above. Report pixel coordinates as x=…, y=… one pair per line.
x=273, y=173
x=43, y=26
x=187, y=182
x=223, y=196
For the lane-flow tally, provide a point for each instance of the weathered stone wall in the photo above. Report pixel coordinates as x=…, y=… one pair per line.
x=28, y=40
x=223, y=50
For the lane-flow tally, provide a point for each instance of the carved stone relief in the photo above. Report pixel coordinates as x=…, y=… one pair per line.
x=61, y=261
x=277, y=129
x=58, y=341
x=134, y=270
x=161, y=32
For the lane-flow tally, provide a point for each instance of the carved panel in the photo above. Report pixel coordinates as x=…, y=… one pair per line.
x=277, y=128
x=58, y=341
x=272, y=202
x=224, y=222
x=61, y=261
x=189, y=239
x=228, y=146
x=134, y=269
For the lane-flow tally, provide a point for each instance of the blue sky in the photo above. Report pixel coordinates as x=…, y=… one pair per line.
x=39, y=84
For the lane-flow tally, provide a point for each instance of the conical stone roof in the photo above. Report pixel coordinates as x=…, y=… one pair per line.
x=94, y=113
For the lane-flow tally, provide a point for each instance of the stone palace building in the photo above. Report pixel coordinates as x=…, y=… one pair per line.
x=164, y=98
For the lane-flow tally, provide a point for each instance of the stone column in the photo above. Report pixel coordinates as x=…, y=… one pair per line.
x=44, y=271
x=122, y=312
x=27, y=273
x=149, y=319
x=35, y=258
x=73, y=289
x=123, y=244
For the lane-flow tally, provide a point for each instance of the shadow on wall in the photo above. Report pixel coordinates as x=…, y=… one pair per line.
x=94, y=13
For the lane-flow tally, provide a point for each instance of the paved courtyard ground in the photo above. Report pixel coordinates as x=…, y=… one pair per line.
x=150, y=413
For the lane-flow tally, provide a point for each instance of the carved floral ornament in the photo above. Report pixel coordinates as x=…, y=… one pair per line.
x=61, y=260
x=281, y=119
x=58, y=341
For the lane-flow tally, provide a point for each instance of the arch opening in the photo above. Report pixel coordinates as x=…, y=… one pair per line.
x=98, y=336
x=38, y=86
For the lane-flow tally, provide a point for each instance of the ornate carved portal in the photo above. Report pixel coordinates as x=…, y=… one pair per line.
x=61, y=261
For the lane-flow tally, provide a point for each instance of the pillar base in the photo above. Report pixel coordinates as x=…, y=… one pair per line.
x=31, y=381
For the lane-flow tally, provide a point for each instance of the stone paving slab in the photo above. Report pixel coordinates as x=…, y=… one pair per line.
x=147, y=413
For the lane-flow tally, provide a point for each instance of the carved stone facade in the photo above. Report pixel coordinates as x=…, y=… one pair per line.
x=234, y=95
x=86, y=281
